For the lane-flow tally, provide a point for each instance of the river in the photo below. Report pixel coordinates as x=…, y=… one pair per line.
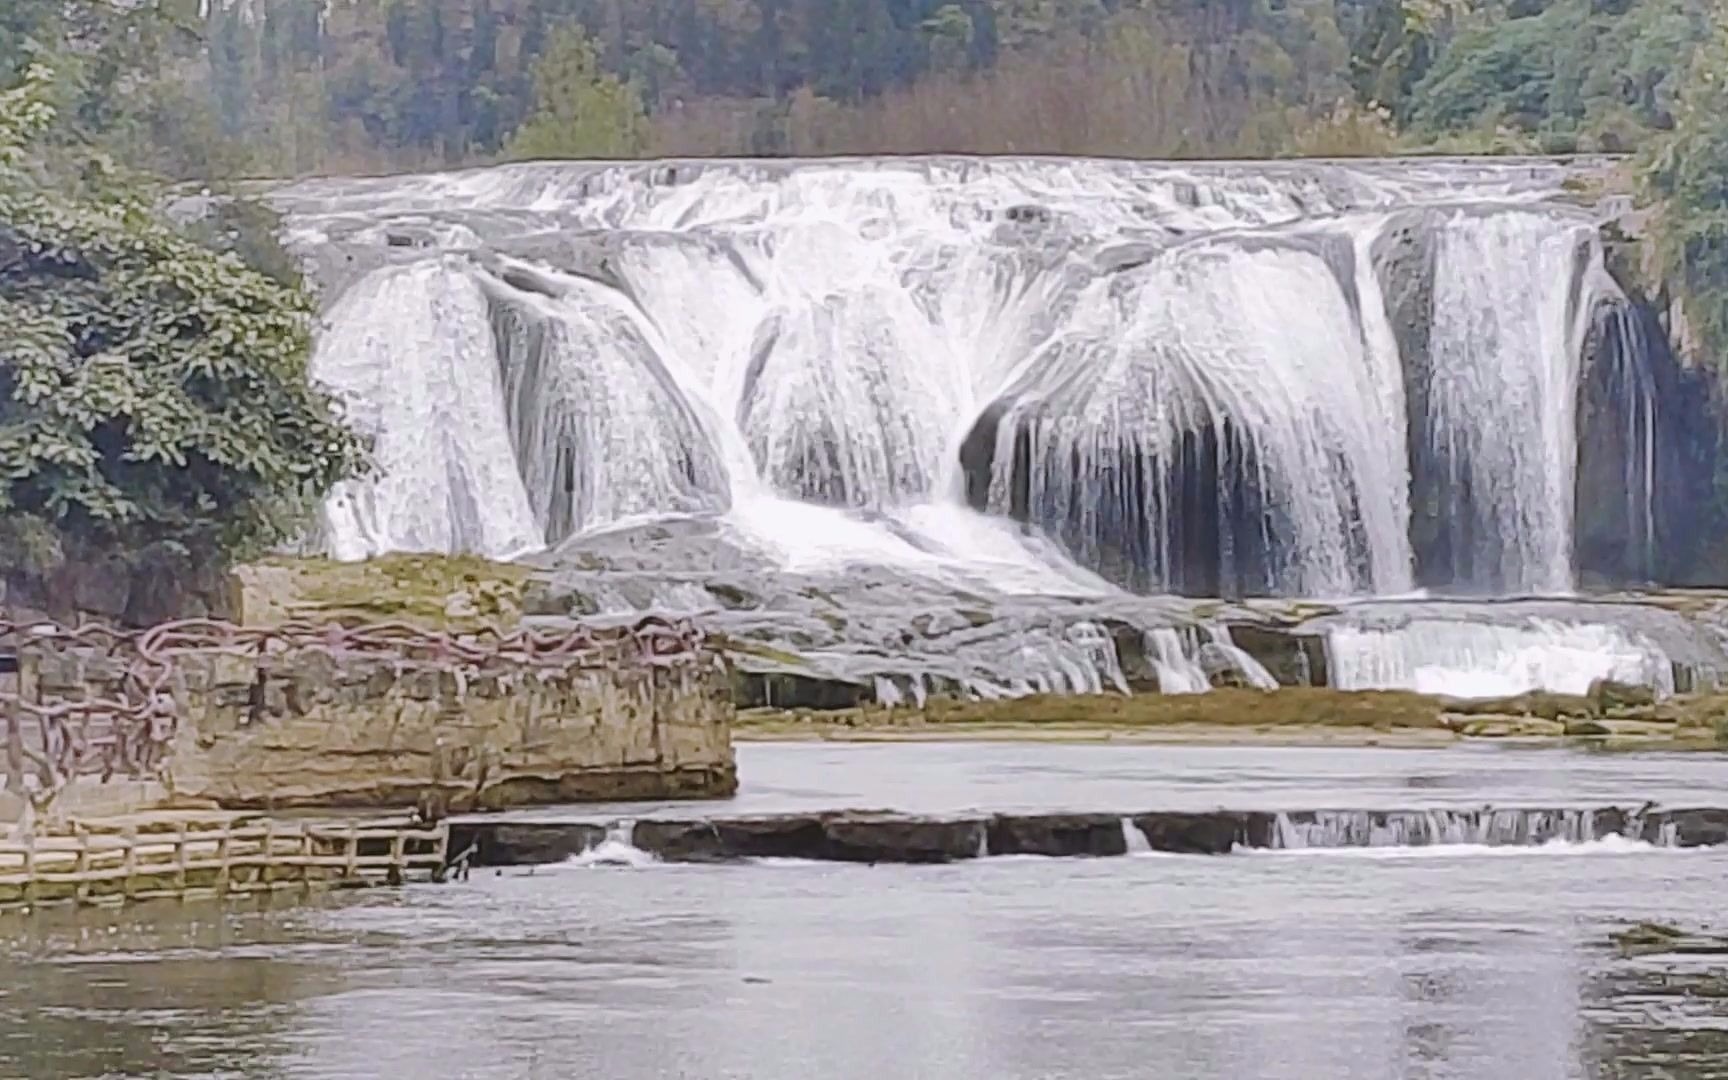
x=1455, y=962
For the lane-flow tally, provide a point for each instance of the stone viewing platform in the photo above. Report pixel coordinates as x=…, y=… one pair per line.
x=128, y=760
x=340, y=716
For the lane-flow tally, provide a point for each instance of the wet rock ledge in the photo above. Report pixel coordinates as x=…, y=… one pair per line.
x=884, y=837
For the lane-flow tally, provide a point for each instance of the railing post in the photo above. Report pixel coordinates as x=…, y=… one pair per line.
x=81, y=890
x=14, y=721
x=129, y=863
x=224, y=857
x=180, y=858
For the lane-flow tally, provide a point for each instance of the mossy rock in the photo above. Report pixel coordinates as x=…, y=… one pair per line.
x=1291, y=707
x=1513, y=727
x=433, y=591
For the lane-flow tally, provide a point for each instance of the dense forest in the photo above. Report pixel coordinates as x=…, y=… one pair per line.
x=287, y=87
x=153, y=399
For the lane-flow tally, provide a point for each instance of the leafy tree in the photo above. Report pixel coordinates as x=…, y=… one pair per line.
x=153, y=392
x=1688, y=174
x=581, y=111
x=1579, y=74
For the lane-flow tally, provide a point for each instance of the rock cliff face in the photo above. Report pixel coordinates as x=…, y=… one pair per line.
x=319, y=721
x=304, y=730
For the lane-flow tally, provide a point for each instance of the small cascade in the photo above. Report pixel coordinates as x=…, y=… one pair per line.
x=1474, y=659
x=617, y=848
x=1134, y=839
x=1171, y=657
x=1499, y=391
x=1082, y=660
x=1252, y=671
x=1322, y=829
x=410, y=353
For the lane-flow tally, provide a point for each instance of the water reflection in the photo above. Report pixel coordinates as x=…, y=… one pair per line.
x=1444, y=968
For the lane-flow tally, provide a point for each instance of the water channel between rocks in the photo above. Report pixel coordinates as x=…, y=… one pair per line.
x=1452, y=961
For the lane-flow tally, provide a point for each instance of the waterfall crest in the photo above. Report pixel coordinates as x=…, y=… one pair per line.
x=1294, y=379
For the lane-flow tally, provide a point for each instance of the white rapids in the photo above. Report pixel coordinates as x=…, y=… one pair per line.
x=1042, y=377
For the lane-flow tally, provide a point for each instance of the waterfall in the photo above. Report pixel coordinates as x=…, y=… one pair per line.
x=409, y=351
x=616, y=848
x=1134, y=840
x=1007, y=377
x=1413, y=828
x=1178, y=672
x=1473, y=659
x=1502, y=389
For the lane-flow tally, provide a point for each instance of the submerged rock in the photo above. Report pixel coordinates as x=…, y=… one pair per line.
x=1065, y=834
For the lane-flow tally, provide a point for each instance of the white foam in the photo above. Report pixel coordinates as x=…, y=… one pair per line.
x=1135, y=839
x=1474, y=659
x=789, y=342
x=1607, y=845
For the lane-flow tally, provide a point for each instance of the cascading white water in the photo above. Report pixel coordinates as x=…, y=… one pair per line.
x=1472, y=659
x=1013, y=377
x=738, y=335
x=1255, y=348
x=1173, y=661
x=410, y=351
x=1326, y=829
x=616, y=848
x=1134, y=838
x=1502, y=375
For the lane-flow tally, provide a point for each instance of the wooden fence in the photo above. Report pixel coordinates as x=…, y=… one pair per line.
x=207, y=858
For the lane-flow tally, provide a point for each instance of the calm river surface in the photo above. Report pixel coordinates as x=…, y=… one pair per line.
x=1445, y=962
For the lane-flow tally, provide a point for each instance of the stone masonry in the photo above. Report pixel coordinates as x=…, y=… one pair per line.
x=302, y=725
x=306, y=730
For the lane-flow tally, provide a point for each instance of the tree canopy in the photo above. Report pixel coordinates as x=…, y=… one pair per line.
x=1688, y=176
x=153, y=391
x=289, y=87
x=581, y=111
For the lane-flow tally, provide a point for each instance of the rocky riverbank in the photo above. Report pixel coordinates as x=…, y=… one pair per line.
x=1612, y=716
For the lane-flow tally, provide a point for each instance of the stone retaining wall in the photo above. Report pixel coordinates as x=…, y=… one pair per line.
x=305, y=730
x=307, y=724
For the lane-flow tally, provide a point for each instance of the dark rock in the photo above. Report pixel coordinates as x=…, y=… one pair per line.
x=680, y=841
x=1057, y=834
x=840, y=837
x=895, y=839
x=1195, y=834
x=1293, y=657
x=791, y=690
x=523, y=844
x=1606, y=695
x=1537, y=703
x=1692, y=828
x=1611, y=821
x=793, y=836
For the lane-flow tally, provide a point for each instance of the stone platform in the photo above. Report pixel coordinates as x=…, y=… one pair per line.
x=886, y=837
x=99, y=721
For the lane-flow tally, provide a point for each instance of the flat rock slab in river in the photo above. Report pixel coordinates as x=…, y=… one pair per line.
x=883, y=837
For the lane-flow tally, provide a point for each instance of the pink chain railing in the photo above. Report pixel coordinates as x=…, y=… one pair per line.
x=60, y=740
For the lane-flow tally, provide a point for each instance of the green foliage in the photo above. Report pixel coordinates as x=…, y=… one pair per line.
x=152, y=391
x=581, y=111
x=1688, y=176
x=1577, y=75
x=290, y=87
